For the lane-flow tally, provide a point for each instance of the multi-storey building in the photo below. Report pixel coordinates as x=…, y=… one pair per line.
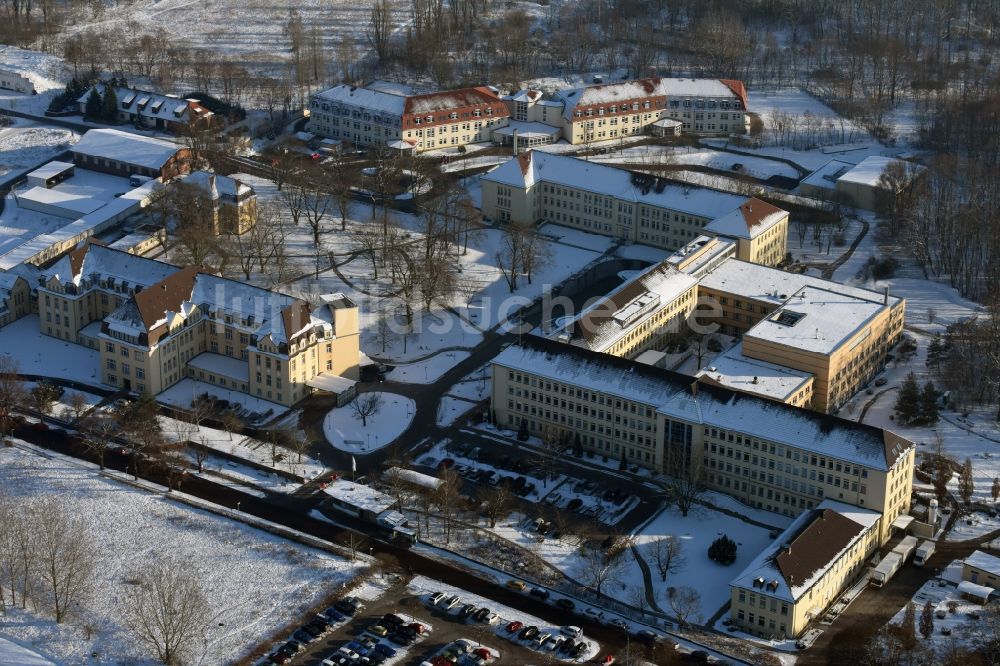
x=544, y=187
x=613, y=110
x=766, y=454
x=155, y=324
x=792, y=581
x=126, y=154
x=370, y=117
x=638, y=315
x=15, y=297
x=847, y=483
x=838, y=334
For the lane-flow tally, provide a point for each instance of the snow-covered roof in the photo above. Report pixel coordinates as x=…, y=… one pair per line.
x=775, y=286
x=816, y=319
x=533, y=167
x=219, y=364
x=806, y=550
x=699, y=256
x=96, y=261
x=359, y=496
x=381, y=101
x=71, y=204
x=147, y=104
x=610, y=93
x=675, y=396
x=331, y=383
x=732, y=369
x=752, y=218
x=212, y=182
x=126, y=147
x=668, y=123
x=449, y=99
x=527, y=130
x=53, y=168
x=624, y=309
x=975, y=590
x=524, y=95
x=984, y=561
x=412, y=476
x=868, y=171
x=826, y=176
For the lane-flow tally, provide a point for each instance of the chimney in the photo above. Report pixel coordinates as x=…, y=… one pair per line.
x=886, y=299
x=694, y=389
x=755, y=379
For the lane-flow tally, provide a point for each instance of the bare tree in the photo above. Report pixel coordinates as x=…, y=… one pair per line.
x=602, y=566
x=366, y=405
x=99, y=432
x=685, y=475
x=43, y=397
x=12, y=394
x=17, y=552
x=666, y=554
x=167, y=610
x=316, y=201
x=64, y=556
x=77, y=406
x=379, y=28
x=685, y=602
x=446, y=499
x=497, y=501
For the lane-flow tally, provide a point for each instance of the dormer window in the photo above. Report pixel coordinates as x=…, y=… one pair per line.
x=429, y=119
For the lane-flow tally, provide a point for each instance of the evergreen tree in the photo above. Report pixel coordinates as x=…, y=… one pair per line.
x=907, y=632
x=93, y=107
x=927, y=620
x=966, y=487
x=908, y=400
x=109, y=104
x=929, y=404
x=723, y=550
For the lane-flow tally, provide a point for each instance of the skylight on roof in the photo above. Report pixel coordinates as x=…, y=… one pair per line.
x=787, y=317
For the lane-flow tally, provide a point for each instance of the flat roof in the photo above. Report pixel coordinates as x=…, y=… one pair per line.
x=868, y=171
x=71, y=202
x=984, y=561
x=227, y=366
x=359, y=496
x=826, y=176
x=700, y=252
x=815, y=320
x=53, y=168
x=775, y=286
x=734, y=370
x=671, y=394
x=331, y=383
x=527, y=129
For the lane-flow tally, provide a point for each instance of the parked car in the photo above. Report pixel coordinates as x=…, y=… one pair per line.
x=355, y=646
x=648, y=636
x=391, y=620
x=516, y=625
x=539, y=592
x=303, y=637
x=334, y=615
x=349, y=653
x=516, y=585
x=578, y=649
x=542, y=638
x=280, y=658
x=417, y=628
x=467, y=610
x=451, y=602
x=481, y=614
x=571, y=630
x=436, y=598
x=382, y=648
x=568, y=646
x=881, y=381
x=528, y=633
x=616, y=622
x=565, y=604
x=378, y=630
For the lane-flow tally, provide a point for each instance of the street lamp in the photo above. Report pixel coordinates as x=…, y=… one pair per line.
x=237, y=506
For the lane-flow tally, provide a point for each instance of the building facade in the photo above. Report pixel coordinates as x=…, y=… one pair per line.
x=155, y=324
x=766, y=454
x=370, y=117
x=795, y=579
x=234, y=203
x=544, y=187
x=126, y=154
x=149, y=110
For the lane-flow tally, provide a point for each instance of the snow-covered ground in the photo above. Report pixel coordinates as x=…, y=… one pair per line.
x=28, y=144
x=941, y=591
x=247, y=448
x=696, y=533
x=46, y=72
x=39, y=354
x=758, y=167
x=451, y=408
x=12, y=654
x=255, y=582
x=344, y=428
x=428, y=370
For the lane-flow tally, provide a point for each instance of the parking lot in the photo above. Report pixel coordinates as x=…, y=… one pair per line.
x=443, y=628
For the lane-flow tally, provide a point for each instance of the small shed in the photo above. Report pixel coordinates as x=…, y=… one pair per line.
x=666, y=127
x=979, y=594
x=50, y=174
x=343, y=388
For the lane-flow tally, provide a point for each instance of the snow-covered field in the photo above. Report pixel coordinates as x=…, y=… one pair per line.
x=43, y=355
x=344, y=429
x=450, y=409
x=255, y=410
x=428, y=370
x=46, y=72
x=28, y=144
x=255, y=582
x=759, y=167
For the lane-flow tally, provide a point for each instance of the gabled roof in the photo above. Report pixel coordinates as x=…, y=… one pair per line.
x=167, y=295
x=985, y=561
x=752, y=218
x=826, y=534
x=449, y=99
x=622, y=91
